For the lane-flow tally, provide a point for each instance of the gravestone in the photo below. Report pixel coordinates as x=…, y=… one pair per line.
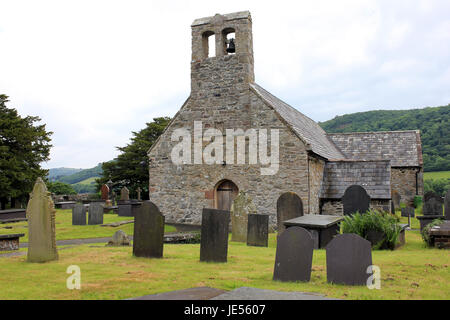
x=119, y=238
x=214, y=235
x=355, y=199
x=240, y=209
x=258, y=230
x=396, y=198
x=408, y=212
x=124, y=210
x=79, y=215
x=139, y=190
x=41, y=225
x=124, y=194
x=432, y=204
x=348, y=256
x=148, y=238
x=447, y=205
x=289, y=206
x=95, y=215
x=105, y=192
x=293, y=258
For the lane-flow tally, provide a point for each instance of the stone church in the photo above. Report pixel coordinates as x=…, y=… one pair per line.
x=317, y=166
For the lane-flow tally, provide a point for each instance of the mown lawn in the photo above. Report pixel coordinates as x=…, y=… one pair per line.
x=436, y=175
x=65, y=230
x=411, y=272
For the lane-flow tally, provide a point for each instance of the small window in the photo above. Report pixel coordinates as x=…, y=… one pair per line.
x=209, y=44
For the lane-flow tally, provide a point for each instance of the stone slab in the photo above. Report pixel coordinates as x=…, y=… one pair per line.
x=258, y=230
x=200, y=293
x=289, y=206
x=314, y=221
x=425, y=220
x=79, y=215
x=148, y=238
x=124, y=210
x=95, y=215
x=214, y=235
x=65, y=205
x=247, y=293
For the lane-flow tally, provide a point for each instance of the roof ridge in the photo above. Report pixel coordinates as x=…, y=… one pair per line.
x=374, y=132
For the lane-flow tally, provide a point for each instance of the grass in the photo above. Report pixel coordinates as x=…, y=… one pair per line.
x=88, y=181
x=65, y=230
x=436, y=175
x=411, y=272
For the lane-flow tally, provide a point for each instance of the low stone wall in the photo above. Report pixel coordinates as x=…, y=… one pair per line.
x=335, y=208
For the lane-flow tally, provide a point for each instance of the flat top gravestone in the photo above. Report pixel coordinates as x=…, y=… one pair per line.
x=258, y=230
x=105, y=192
x=214, y=235
x=95, y=215
x=79, y=215
x=289, y=206
x=240, y=209
x=447, y=205
x=148, y=238
x=293, y=259
x=124, y=194
x=41, y=225
x=432, y=205
x=355, y=199
x=348, y=256
x=314, y=221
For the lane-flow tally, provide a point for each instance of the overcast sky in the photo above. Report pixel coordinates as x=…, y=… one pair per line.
x=96, y=70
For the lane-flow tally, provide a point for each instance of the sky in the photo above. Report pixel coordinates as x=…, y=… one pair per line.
x=94, y=71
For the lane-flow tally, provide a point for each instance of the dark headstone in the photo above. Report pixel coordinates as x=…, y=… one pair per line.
x=124, y=210
x=408, y=212
x=258, y=230
x=392, y=207
x=432, y=205
x=348, y=256
x=355, y=199
x=396, y=198
x=294, y=254
x=214, y=235
x=148, y=238
x=289, y=206
x=447, y=205
x=95, y=215
x=79, y=215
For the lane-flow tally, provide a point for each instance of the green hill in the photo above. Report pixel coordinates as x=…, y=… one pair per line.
x=57, y=173
x=82, y=175
x=433, y=123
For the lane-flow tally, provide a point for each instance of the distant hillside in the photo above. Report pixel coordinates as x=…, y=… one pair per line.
x=56, y=173
x=433, y=123
x=82, y=175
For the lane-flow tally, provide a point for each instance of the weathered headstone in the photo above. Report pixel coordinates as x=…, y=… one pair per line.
x=124, y=194
x=119, y=238
x=396, y=198
x=355, y=199
x=79, y=215
x=447, y=205
x=139, y=190
x=289, y=206
x=214, y=235
x=124, y=210
x=148, y=238
x=293, y=258
x=258, y=230
x=348, y=256
x=95, y=215
x=432, y=204
x=41, y=225
x=240, y=209
x=105, y=192
x=408, y=212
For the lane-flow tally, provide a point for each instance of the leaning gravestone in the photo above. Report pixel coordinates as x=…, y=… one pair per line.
x=95, y=215
x=214, y=235
x=355, y=199
x=148, y=238
x=432, y=204
x=289, y=206
x=79, y=215
x=41, y=225
x=447, y=205
x=293, y=258
x=240, y=209
x=348, y=256
x=258, y=230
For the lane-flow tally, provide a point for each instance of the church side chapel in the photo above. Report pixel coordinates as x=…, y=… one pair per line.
x=316, y=166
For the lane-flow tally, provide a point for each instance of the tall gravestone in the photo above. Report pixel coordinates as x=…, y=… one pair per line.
x=95, y=215
x=240, y=209
x=447, y=205
x=148, y=238
x=41, y=225
x=396, y=198
x=105, y=192
x=355, y=199
x=293, y=258
x=124, y=194
x=432, y=204
x=289, y=206
x=79, y=215
x=348, y=256
x=258, y=230
x=214, y=235
x=139, y=191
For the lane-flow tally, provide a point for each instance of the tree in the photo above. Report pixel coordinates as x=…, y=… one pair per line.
x=24, y=145
x=60, y=188
x=130, y=168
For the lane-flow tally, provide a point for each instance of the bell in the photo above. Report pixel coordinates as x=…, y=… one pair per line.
x=231, y=47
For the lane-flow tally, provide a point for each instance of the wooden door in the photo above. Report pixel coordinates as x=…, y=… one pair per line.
x=225, y=194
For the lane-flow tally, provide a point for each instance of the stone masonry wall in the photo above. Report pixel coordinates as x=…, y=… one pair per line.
x=316, y=170
x=403, y=180
x=335, y=207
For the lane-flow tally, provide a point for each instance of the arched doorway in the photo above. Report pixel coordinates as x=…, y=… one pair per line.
x=225, y=193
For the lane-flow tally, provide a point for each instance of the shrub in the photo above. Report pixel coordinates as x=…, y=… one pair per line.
x=373, y=220
x=417, y=201
x=426, y=231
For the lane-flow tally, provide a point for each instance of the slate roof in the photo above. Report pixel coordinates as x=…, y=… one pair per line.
x=305, y=128
x=403, y=148
x=374, y=176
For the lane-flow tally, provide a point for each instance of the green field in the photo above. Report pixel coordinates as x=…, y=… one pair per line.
x=88, y=181
x=436, y=175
